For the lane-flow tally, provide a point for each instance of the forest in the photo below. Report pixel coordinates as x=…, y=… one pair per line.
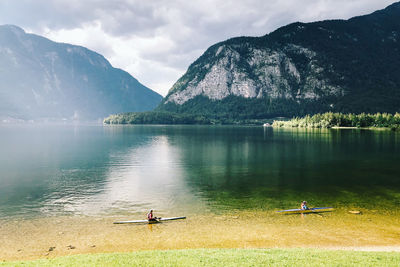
x=330, y=119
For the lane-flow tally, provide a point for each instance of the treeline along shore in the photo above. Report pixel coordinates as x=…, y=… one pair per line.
x=331, y=120
x=165, y=117
x=320, y=120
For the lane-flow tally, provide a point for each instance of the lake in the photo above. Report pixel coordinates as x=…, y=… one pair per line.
x=123, y=171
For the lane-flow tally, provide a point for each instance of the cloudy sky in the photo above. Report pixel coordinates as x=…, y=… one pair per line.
x=156, y=40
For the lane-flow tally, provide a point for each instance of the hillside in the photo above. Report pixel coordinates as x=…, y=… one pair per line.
x=41, y=79
x=303, y=68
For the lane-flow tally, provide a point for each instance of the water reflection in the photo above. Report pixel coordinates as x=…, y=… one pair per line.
x=286, y=166
x=144, y=177
x=40, y=164
x=178, y=170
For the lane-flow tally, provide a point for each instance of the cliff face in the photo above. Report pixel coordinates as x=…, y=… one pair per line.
x=41, y=79
x=262, y=72
x=348, y=66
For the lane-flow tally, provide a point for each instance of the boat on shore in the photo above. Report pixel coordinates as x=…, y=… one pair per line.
x=151, y=222
x=312, y=210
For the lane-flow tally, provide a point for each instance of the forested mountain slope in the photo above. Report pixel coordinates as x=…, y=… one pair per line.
x=338, y=65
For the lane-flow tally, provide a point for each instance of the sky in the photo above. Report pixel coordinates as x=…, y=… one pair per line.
x=156, y=40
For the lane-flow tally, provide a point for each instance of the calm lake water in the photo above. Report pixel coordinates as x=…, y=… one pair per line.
x=184, y=170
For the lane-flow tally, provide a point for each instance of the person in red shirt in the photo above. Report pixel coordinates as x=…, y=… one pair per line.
x=150, y=216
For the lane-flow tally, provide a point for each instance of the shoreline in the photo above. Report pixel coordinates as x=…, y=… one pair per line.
x=367, y=248
x=335, y=127
x=63, y=236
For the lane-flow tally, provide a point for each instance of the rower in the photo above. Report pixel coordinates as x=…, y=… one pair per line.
x=303, y=205
x=150, y=217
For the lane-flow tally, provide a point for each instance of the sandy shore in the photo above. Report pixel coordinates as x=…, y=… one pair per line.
x=59, y=236
x=369, y=248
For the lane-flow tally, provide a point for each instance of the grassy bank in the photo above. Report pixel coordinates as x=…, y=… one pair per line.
x=329, y=120
x=224, y=257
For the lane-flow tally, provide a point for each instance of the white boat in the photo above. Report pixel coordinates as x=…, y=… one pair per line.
x=156, y=221
x=312, y=210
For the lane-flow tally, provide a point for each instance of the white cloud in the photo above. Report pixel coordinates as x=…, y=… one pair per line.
x=157, y=40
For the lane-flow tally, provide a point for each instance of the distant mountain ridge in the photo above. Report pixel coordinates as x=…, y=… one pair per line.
x=41, y=79
x=337, y=65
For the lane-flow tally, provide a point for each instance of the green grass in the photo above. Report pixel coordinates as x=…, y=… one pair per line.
x=224, y=257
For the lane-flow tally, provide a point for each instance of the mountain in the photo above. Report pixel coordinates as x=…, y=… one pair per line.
x=337, y=65
x=40, y=79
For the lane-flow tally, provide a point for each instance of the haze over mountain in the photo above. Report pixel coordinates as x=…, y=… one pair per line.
x=43, y=79
x=338, y=65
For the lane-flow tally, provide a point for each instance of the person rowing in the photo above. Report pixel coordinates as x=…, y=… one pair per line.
x=303, y=205
x=151, y=218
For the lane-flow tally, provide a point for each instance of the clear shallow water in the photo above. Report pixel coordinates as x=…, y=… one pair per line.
x=182, y=170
